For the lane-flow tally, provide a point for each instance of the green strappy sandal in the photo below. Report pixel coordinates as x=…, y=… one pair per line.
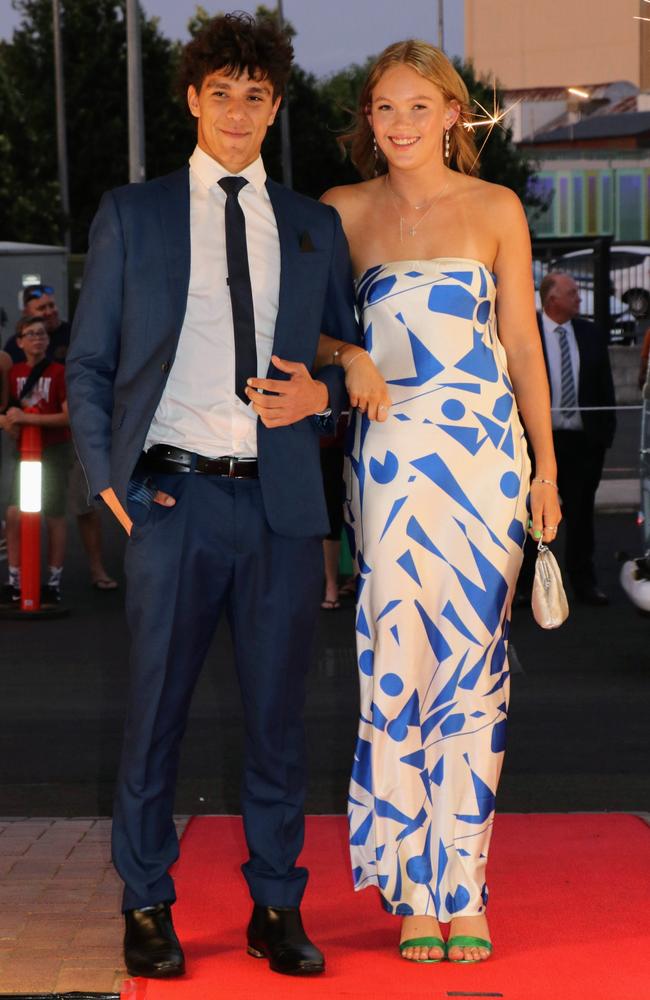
x=467, y=941
x=426, y=942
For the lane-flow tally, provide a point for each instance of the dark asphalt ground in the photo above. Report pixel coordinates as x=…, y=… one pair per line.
x=580, y=710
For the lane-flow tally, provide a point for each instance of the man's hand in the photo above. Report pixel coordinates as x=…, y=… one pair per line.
x=298, y=397
x=110, y=499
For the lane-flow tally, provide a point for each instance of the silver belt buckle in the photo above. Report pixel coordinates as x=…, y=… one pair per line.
x=231, y=467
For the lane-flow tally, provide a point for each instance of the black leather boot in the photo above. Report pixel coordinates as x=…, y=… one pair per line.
x=151, y=947
x=277, y=933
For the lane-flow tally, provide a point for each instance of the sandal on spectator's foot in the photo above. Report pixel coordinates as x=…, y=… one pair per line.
x=328, y=605
x=105, y=583
x=467, y=941
x=423, y=942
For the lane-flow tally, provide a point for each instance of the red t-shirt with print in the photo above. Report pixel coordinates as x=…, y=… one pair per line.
x=47, y=396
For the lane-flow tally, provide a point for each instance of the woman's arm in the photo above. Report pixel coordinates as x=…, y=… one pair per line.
x=366, y=387
x=519, y=334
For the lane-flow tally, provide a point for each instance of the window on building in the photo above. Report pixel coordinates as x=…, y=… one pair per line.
x=630, y=207
x=542, y=220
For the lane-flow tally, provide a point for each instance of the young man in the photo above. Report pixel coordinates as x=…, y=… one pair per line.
x=37, y=384
x=195, y=283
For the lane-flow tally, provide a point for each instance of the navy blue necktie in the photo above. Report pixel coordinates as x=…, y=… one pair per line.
x=239, y=283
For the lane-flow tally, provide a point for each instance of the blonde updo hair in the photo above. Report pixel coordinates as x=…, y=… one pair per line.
x=434, y=66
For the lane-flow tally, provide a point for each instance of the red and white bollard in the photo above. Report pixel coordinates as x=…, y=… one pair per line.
x=31, y=450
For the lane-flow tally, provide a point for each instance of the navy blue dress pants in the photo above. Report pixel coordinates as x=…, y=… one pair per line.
x=212, y=552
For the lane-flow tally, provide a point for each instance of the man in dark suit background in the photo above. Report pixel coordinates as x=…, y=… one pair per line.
x=577, y=362
x=195, y=283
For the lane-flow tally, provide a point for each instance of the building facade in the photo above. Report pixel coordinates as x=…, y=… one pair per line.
x=559, y=43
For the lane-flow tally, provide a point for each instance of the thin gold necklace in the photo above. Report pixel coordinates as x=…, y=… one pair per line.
x=412, y=229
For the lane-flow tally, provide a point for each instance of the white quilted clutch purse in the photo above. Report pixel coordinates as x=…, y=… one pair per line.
x=549, y=603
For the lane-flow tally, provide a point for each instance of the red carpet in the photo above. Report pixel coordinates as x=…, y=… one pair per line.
x=569, y=916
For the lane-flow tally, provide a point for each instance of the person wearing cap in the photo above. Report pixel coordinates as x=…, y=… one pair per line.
x=39, y=301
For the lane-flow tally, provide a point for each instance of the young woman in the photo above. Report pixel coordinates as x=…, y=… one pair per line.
x=437, y=490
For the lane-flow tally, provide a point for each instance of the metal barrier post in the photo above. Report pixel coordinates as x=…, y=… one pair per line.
x=602, y=316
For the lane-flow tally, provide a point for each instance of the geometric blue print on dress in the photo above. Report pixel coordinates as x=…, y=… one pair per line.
x=384, y=472
x=397, y=729
x=453, y=300
x=394, y=511
x=466, y=277
x=366, y=280
x=441, y=648
x=449, y=612
x=466, y=436
x=517, y=532
x=426, y=364
x=485, y=800
x=493, y=431
x=488, y=600
x=439, y=473
x=503, y=407
x=436, y=497
x=453, y=409
x=380, y=288
x=507, y=445
x=482, y=312
x=388, y=608
x=479, y=361
x=407, y=564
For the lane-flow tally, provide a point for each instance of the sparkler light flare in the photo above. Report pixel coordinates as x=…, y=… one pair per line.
x=489, y=121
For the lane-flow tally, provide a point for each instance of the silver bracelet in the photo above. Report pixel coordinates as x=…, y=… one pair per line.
x=546, y=482
x=345, y=367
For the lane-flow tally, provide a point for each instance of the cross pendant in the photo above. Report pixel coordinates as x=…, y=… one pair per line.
x=411, y=230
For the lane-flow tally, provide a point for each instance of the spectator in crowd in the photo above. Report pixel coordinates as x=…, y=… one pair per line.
x=39, y=301
x=37, y=396
x=5, y=365
x=580, y=376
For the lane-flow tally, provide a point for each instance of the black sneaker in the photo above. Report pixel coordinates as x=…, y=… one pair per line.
x=10, y=595
x=50, y=595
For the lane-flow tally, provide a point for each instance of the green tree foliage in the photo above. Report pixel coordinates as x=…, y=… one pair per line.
x=94, y=44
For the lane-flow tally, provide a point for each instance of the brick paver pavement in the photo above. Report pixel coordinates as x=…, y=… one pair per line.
x=60, y=923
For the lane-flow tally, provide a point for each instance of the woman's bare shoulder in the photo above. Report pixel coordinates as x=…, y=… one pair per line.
x=493, y=197
x=349, y=199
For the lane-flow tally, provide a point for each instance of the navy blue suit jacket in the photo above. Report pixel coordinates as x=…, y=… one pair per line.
x=129, y=318
x=595, y=383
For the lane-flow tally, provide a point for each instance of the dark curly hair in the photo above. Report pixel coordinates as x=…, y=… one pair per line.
x=235, y=43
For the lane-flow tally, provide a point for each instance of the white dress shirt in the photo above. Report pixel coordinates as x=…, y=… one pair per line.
x=554, y=356
x=199, y=410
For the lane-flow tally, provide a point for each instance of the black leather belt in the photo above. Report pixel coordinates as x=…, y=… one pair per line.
x=166, y=458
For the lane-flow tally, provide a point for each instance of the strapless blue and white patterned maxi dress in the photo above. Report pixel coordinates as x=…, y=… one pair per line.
x=436, y=503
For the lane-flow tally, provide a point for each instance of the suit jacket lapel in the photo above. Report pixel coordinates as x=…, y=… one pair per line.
x=294, y=266
x=174, y=203
x=583, y=342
